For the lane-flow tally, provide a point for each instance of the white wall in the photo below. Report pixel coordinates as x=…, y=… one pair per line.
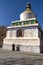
x=31, y=33
x=11, y=33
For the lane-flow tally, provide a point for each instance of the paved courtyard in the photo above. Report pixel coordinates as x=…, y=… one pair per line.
x=8, y=57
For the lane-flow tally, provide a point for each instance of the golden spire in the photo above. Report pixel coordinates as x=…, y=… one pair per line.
x=28, y=8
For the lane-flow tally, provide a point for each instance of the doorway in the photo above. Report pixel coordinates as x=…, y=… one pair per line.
x=13, y=47
x=20, y=33
x=18, y=48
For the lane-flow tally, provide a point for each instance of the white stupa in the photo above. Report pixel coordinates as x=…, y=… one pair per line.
x=24, y=34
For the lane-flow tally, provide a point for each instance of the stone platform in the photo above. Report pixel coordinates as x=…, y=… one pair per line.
x=30, y=44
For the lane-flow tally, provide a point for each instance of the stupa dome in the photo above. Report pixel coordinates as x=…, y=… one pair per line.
x=28, y=13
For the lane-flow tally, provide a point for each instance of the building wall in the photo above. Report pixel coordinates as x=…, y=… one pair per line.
x=11, y=33
x=31, y=33
x=39, y=33
x=31, y=42
x=27, y=32
x=28, y=45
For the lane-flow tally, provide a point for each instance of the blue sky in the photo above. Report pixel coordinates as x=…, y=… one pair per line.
x=11, y=9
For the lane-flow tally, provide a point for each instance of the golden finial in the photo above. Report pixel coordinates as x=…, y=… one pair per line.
x=28, y=6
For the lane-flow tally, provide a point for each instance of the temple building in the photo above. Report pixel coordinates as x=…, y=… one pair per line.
x=25, y=34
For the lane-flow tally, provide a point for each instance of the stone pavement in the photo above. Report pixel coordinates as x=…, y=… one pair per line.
x=8, y=57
